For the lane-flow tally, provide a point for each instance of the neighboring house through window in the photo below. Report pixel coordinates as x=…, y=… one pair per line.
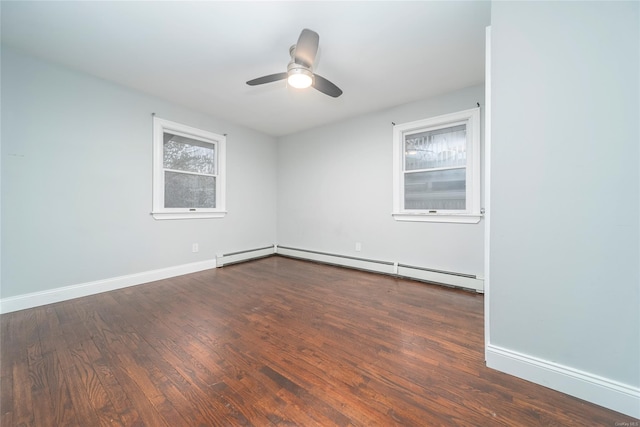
x=437, y=169
x=188, y=172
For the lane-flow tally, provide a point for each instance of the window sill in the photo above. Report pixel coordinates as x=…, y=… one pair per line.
x=430, y=217
x=187, y=215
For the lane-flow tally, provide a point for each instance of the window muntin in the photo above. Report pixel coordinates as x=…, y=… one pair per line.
x=436, y=168
x=188, y=172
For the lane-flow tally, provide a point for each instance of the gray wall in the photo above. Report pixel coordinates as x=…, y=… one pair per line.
x=76, y=184
x=565, y=185
x=335, y=189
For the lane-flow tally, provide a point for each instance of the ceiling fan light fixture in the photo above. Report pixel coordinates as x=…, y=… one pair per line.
x=299, y=78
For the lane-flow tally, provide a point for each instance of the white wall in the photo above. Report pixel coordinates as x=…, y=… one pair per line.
x=565, y=280
x=335, y=189
x=76, y=183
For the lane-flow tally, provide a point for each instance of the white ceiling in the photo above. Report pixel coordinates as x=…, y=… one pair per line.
x=200, y=54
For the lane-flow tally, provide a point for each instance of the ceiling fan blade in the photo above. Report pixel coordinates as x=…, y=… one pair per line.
x=325, y=86
x=306, y=48
x=267, y=79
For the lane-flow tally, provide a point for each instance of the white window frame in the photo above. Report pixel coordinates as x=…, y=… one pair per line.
x=160, y=126
x=471, y=214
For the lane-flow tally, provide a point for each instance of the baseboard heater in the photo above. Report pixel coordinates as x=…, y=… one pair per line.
x=447, y=278
x=246, y=255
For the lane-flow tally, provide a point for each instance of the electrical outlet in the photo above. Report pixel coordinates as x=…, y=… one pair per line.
x=358, y=246
x=195, y=248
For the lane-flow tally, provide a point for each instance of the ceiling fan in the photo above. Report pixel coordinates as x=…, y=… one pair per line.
x=299, y=72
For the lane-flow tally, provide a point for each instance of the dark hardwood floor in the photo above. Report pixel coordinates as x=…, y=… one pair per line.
x=275, y=341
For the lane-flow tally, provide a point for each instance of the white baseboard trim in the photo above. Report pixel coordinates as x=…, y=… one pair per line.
x=235, y=257
x=611, y=394
x=386, y=267
x=35, y=299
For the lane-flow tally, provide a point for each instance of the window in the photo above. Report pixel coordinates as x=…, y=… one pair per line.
x=437, y=169
x=188, y=172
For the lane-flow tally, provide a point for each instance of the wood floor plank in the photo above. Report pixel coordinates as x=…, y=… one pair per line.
x=63, y=412
x=6, y=400
x=40, y=390
x=22, y=397
x=22, y=336
x=8, y=350
x=272, y=342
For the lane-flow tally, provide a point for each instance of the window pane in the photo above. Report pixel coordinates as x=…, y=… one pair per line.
x=435, y=190
x=436, y=148
x=188, y=154
x=183, y=190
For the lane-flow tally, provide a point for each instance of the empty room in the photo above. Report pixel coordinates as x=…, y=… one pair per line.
x=371, y=213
